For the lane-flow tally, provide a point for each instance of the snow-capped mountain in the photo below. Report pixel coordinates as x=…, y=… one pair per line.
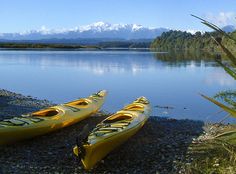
x=95, y=30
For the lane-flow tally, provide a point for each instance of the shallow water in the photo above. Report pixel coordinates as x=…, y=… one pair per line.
x=166, y=80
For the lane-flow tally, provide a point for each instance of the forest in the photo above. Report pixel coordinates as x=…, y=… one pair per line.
x=179, y=40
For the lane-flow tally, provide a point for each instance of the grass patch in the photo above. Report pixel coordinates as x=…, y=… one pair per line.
x=213, y=155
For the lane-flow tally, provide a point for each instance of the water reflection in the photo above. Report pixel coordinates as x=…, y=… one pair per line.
x=97, y=62
x=220, y=78
x=101, y=62
x=185, y=58
x=165, y=79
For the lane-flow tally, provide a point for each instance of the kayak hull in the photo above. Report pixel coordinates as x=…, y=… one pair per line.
x=38, y=124
x=98, y=151
x=112, y=132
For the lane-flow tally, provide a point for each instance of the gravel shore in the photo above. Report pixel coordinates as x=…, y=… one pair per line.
x=159, y=147
x=13, y=104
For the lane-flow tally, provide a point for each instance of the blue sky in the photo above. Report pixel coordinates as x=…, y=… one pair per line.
x=23, y=15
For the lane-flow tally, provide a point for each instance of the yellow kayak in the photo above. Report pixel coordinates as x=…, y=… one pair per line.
x=50, y=119
x=112, y=132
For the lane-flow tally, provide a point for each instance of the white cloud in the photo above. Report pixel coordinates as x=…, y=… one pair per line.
x=222, y=19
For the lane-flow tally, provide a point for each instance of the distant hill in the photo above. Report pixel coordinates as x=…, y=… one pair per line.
x=105, y=35
x=229, y=28
x=75, y=43
x=81, y=41
x=178, y=40
x=97, y=30
x=43, y=46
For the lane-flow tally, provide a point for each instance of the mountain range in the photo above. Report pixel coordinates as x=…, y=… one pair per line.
x=96, y=30
x=229, y=28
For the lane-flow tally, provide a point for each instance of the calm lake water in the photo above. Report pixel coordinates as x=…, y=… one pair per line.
x=166, y=80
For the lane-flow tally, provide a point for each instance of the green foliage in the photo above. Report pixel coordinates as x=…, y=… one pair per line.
x=228, y=97
x=125, y=44
x=212, y=156
x=228, y=69
x=228, y=109
x=179, y=40
x=218, y=154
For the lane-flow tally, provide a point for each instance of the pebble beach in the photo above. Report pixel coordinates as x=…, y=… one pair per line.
x=159, y=147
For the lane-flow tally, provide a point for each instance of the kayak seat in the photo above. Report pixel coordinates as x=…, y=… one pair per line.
x=118, y=118
x=81, y=103
x=45, y=113
x=135, y=107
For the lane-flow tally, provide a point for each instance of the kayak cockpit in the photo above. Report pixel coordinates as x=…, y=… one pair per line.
x=118, y=118
x=81, y=103
x=135, y=107
x=46, y=113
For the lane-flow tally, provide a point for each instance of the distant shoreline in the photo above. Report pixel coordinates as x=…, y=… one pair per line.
x=38, y=46
x=75, y=45
x=75, y=49
x=48, y=49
